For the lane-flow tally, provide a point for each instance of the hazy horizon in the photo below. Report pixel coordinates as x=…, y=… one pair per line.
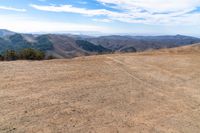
x=96, y=33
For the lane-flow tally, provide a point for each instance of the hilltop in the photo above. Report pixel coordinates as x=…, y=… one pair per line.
x=156, y=91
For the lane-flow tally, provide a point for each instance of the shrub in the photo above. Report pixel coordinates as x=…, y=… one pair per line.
x=50, y=57
x=31, y=54
x=10, y=55
x=25, y=54
x=1, y=57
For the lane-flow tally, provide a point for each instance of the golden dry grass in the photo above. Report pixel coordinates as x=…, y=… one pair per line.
x=123, y=93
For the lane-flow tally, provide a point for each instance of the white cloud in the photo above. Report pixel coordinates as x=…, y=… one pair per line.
x=12, y=9
x=156, y=11
x=71, y=9
x=27, y=25
x=102, y=20
x=154, y=5
x=138, y=11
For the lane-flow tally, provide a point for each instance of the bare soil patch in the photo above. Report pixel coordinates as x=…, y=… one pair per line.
x=124, y=93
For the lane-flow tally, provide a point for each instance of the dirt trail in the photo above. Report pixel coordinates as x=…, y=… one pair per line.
x=127, y=93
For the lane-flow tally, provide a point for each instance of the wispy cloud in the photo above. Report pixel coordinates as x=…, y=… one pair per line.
x=72, y=9
x=138, y=11
x=156, y=11
x=161, y=6
x=12, y=9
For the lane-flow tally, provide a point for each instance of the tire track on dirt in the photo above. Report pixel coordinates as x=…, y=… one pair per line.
x=127, y=70
x=150, y=86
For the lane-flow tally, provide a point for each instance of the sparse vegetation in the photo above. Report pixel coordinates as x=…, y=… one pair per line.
x=25, y=54
x=50, y=57
x=1, y=58
x=10, y=55
x=31, y=54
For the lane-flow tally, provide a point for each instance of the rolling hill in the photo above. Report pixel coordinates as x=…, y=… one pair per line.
x=69, y=46
x=143, y=43
x=150, y=92
x=4, y=32
x=60, y=46
x=192, y=49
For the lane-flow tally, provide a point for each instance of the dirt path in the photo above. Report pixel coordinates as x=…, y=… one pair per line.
x=124, y=67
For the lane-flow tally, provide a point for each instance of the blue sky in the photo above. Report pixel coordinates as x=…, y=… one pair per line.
x=139, y=17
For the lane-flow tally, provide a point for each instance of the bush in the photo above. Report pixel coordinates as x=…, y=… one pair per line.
x=1, y=58
x=50, y=57
x=10, y=55
x=25, y=54
x=31, y=54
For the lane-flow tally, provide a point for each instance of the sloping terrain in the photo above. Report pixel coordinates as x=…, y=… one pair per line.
x=191, y=49
x=69, y=47
x=19, y=42
x=142, y=43
x=186, y=49
x=155, y=92
x=4, y=32
x=60, y=46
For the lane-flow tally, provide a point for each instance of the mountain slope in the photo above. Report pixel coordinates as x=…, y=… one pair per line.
x=60, y=46
x=142, y=43
x=88, y=46
x=191, y=49
x=187, y=49
x=4, y=32
x=69, y=46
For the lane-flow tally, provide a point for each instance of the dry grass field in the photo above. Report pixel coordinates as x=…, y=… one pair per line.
x=152, y=92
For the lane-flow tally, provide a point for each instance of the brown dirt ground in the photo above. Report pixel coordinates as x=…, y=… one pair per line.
x=122, y=93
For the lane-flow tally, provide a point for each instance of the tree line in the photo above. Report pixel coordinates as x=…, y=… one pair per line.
x=24, y=54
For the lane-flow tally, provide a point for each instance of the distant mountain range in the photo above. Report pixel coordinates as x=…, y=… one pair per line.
x=68, y=46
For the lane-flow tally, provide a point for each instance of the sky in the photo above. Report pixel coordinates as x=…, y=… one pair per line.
x=138, y=17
